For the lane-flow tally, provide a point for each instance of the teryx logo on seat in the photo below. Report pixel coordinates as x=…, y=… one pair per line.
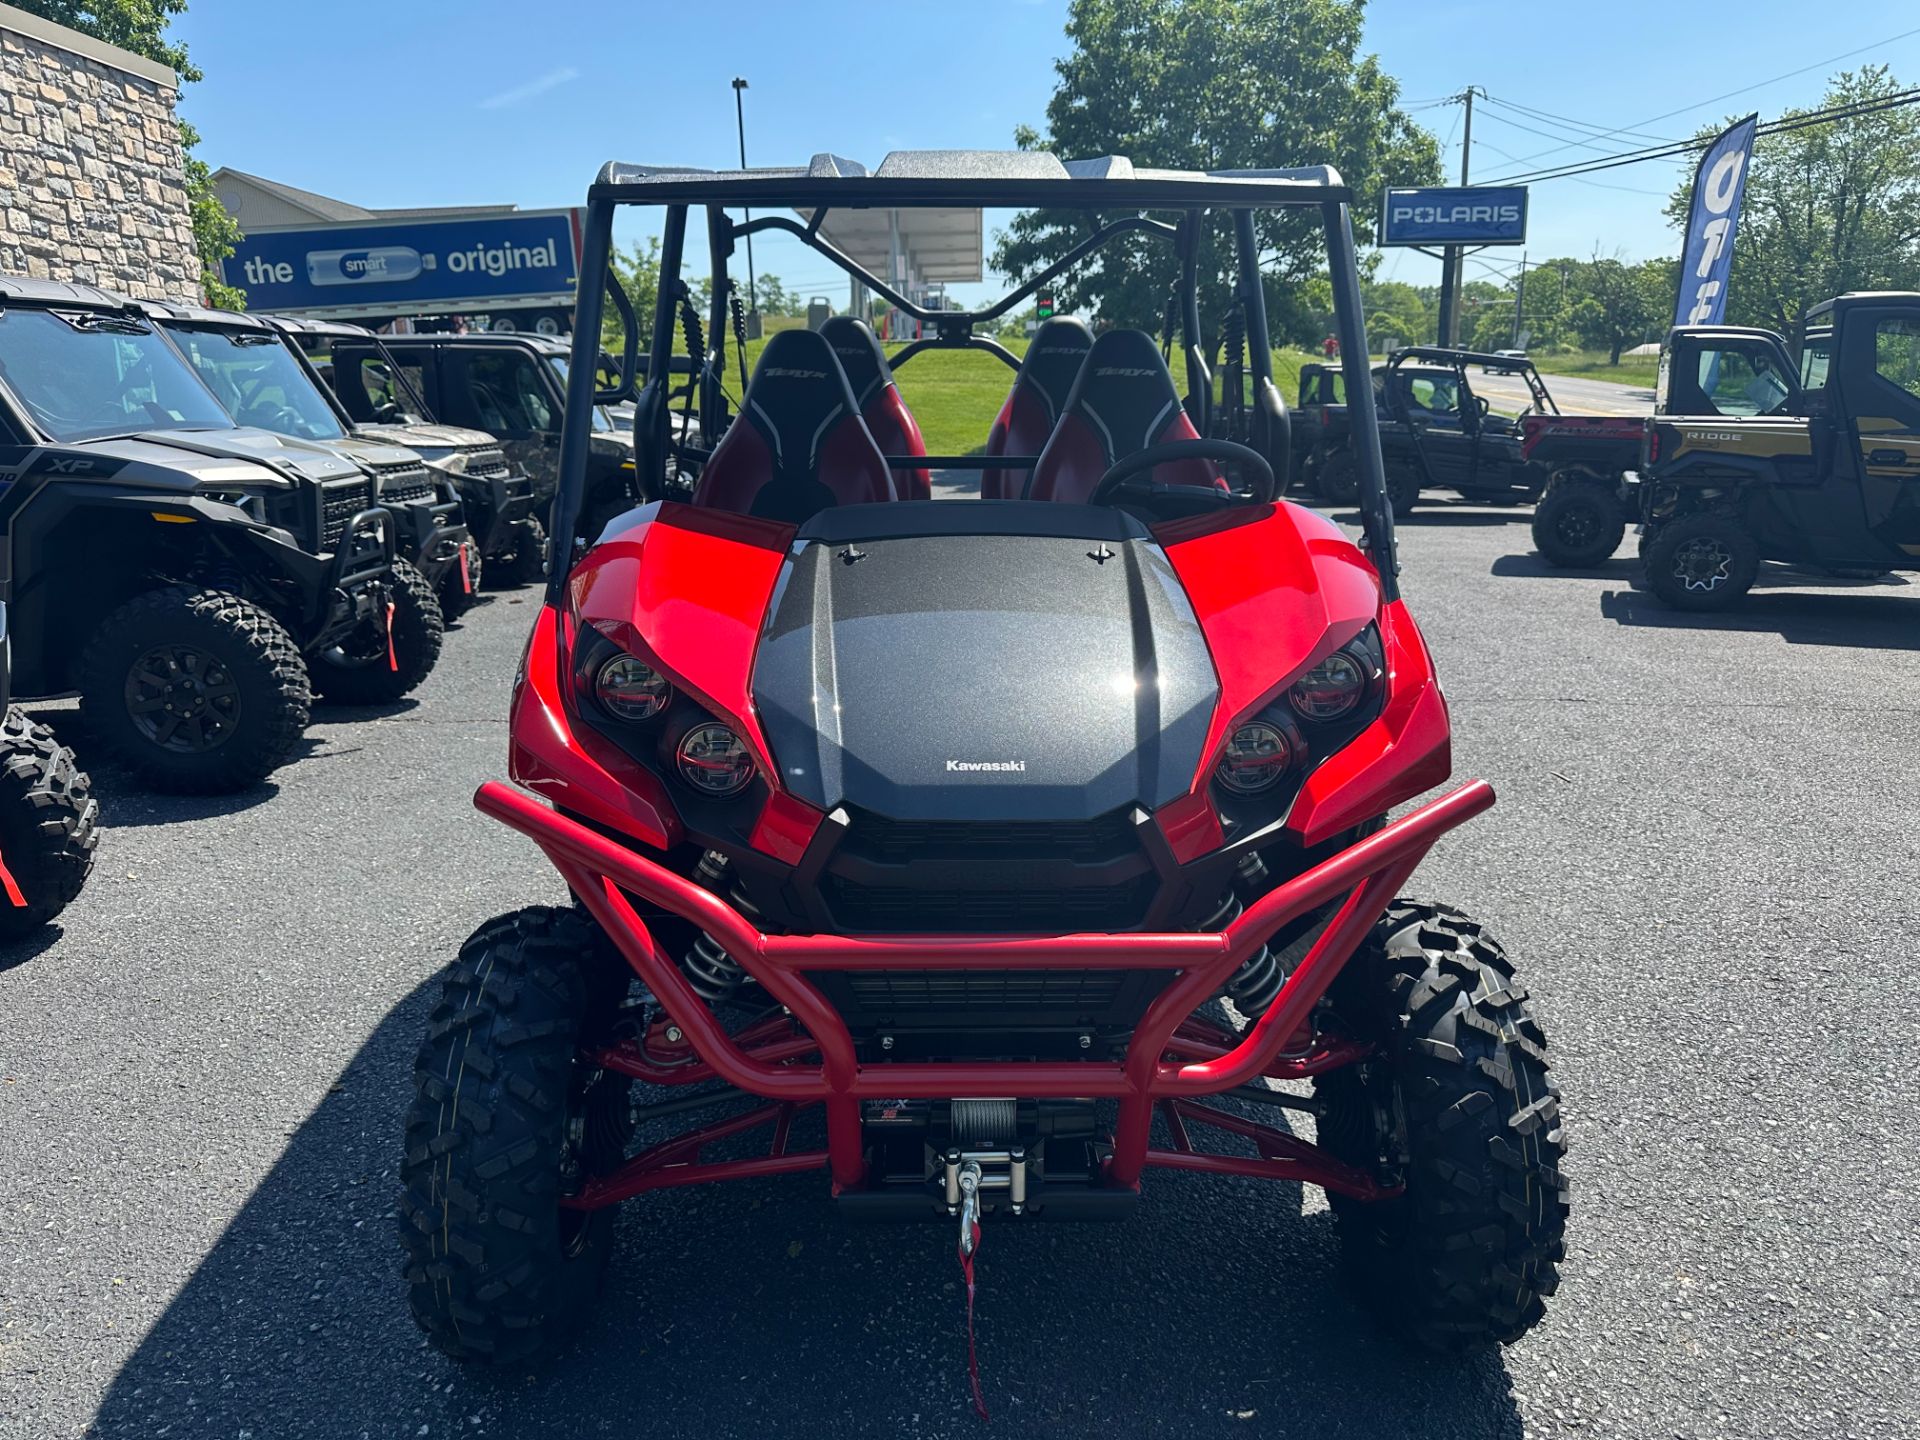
x=792, y=374
x=1017, y=766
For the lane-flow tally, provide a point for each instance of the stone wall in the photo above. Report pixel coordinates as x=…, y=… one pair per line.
x=91, y=185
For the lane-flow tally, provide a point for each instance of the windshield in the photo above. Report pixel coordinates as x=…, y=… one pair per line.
x=82, y=375
x=601, y=420
x=259, y=381
x=1813, y=360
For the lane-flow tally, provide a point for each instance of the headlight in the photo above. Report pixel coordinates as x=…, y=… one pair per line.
x=714, y=760
x=1256, y=758
x=251, y=501
x=630, y=690
x=1332, y=690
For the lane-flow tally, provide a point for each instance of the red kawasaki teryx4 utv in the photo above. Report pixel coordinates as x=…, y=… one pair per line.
x=1008, y=833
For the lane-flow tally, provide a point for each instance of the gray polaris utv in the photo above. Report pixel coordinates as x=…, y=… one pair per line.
x=514, y=387
x=195, y=582
x=384, y=399
x=264, y=381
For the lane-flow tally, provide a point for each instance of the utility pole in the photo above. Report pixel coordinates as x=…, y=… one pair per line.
x=1519, y=300
x=1451, y=254
x=740, y=117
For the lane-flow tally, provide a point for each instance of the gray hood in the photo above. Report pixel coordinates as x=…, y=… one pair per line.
x=953, y=677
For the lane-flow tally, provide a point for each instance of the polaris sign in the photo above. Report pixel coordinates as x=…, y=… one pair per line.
x=416, y=264
x=1455, y=215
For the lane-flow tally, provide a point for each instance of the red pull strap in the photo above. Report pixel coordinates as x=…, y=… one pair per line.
x=393, y=660
x=466, y=580
x=973, y=1358
x=19, y=900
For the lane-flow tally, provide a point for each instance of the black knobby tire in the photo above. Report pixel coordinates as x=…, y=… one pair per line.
x=1459, y=1101
x=1578, y=524
x=248, y=719
x=47, y=815
x=457, y=599
x=1337, y=477
x=1704, y=561
x=526, y=563
x=504, y=1121
x=1403, y=489
x=357, y=670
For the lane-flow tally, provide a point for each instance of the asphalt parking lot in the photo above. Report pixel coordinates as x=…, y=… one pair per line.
x=1704, y=858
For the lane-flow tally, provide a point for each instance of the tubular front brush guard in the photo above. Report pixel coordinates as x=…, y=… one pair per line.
x=1369, y=873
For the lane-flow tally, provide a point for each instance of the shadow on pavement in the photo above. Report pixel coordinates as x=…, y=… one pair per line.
x=755, y=1309
x=1800, y=617
x=1532, y=566
x=19, y=952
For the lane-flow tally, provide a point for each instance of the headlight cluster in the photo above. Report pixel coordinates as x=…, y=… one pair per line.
x=1324, y=709
x=709, y=758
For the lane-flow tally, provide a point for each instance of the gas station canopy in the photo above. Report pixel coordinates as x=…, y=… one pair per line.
x=910, y=248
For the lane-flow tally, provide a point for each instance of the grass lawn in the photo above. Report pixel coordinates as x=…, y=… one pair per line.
x=1592, y=365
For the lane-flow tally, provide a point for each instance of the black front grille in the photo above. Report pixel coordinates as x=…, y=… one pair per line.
x=484, y=463
x=1062, y=909
x=993, y=877
x=343, y=500
x=403, y=484
x=1081, y=841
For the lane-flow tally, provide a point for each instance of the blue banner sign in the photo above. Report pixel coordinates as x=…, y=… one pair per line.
x=1719, y=185
x=1455, y=215
x=408, y=264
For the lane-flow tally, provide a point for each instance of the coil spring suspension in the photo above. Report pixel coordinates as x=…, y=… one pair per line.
x=1259, y=979
x=711, y=971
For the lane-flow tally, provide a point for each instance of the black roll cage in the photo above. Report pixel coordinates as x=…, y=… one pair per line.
x=1459, y=360
x=1191, y=197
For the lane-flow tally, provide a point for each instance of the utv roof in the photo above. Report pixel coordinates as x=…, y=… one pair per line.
x=301, y=325
x=994, y=178
x=545, y=344
x=1445, y=355
x=16, y=290
x=200, y=315
x=1855, y=298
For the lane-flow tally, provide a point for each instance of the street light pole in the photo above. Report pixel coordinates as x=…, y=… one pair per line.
x=740, y=117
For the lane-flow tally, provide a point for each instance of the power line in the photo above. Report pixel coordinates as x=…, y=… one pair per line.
x=1744, y=89
x=1567, y=122
x=1783, y=125
x=1591, y=184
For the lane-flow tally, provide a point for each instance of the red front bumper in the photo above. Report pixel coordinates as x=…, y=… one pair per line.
x=1163, y=1065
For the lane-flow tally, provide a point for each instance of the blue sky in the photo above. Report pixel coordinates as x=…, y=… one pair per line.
x=432, y=102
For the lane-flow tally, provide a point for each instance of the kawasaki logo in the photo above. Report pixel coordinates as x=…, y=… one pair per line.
x=1001, y=766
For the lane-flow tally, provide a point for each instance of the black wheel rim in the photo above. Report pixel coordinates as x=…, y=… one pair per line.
x=1702, y=564
x=1577, y=526
x=182, y=699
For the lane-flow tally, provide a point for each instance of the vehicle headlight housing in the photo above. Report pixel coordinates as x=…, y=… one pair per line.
x=627, y=688
x=1257, y=757
x=1333, y=689
x=714, y=760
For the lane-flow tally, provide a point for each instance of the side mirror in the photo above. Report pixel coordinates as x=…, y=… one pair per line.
x=1484, y=404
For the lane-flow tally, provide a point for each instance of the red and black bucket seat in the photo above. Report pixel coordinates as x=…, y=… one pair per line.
x=798, y=445
x=894, y=429
x=1039, y=394
x=1122, y=403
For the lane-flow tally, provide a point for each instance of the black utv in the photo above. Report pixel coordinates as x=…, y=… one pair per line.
x=264, y=382
x=1437, y=434
x=514, y=388
x=383, y=398
x=193, y=581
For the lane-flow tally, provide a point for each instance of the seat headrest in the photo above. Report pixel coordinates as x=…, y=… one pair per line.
x=1054, y=357
x=797, y=392
x=1124, y=391
x=861, y=355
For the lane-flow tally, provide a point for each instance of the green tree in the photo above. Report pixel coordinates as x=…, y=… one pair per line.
x=1215, y=84
x=775, y=298
x=141, y=26
x=638, y=270
x=1616, y=305
x=1829, y=208
x=1397, y=314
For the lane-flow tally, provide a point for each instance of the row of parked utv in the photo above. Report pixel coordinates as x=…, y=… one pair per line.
x=210, y=521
